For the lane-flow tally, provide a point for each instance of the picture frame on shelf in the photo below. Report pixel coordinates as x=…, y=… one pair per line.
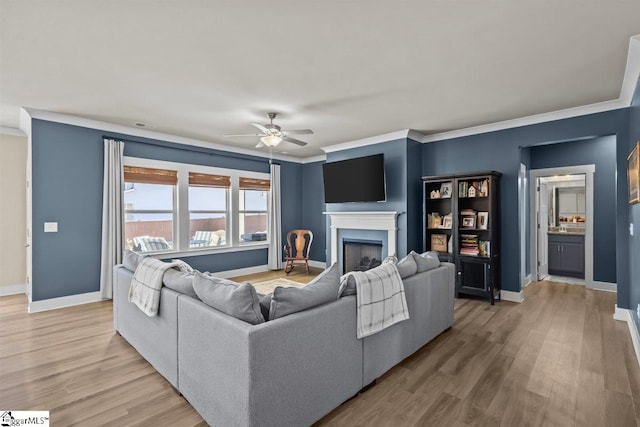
x=445, y=190
x=439, y=242
x=468, y=222
x=483, y=220
x=447, y=221
x=633, y=174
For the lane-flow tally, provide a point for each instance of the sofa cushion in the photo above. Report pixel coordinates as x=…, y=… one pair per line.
x=407, y=266
x=239, y=300
x=426, y=261
x=179, y=281
x=265, y=305
x=130, y=260
x=321, y=290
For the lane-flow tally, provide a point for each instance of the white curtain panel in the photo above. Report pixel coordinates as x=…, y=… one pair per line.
x=275, y=221
x=111, y=215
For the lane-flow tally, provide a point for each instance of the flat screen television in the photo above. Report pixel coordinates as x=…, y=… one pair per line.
x=355, y=180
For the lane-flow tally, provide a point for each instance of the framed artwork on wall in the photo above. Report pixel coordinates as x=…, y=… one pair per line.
x=633, y=174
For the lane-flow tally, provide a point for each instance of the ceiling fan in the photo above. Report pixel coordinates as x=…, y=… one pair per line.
x=272, y=135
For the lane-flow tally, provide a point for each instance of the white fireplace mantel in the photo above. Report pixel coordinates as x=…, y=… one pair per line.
x=379, y=220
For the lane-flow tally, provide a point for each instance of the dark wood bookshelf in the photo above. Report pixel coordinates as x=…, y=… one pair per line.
x=477, y=274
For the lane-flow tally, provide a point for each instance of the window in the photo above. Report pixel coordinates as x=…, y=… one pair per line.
x=208, y=209
x=149, y=208
x=253, y=195
x=181, y=208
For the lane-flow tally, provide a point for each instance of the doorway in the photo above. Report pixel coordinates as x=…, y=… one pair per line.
x=561, y=201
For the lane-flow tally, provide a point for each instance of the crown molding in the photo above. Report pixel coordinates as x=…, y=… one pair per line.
x=631, y=74
x=369, y=141
x=320, y=158
x=11, y=131
x=145, y=133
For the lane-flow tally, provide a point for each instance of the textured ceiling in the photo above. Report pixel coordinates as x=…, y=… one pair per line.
x=346, y=69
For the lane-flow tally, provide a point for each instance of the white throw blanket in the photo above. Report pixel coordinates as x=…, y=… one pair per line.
x=147, y=283
x=380, y=297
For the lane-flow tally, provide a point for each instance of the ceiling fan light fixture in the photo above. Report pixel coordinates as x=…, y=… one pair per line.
x=271, y=140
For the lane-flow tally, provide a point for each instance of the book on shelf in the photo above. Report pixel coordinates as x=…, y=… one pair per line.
x=473, y=188
x=484, y=248
x=469, y=244
x=467, y=212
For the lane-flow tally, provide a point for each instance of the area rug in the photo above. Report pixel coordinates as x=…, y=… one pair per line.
x=268, y=286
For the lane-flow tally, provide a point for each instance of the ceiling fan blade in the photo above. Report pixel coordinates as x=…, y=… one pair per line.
x=298, y=132
x=259, y=126
x=246, y=134
x=295, y=141
x=260, y=144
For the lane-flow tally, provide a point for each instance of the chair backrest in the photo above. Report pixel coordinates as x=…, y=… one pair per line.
x=299, y=244
x=149, y=243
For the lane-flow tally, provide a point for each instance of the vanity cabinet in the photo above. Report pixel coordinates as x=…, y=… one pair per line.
x=566, y=255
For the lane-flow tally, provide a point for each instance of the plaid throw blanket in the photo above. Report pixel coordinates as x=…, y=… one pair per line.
x=147, y=282
x=380, y=298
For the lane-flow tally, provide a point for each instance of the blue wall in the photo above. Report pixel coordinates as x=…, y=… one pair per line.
x=67, y=188
x=600, y=152
x=500, y=151
x=634, y=210
x=313, y=207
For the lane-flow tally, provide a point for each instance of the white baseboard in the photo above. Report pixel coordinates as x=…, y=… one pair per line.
x=605, y=286
x=528, y=280
x=241, y=271
x=317, y=264
x=62, y=302
x=511, y=296
x=12, y=290
x=625, y=315
x=621, y=314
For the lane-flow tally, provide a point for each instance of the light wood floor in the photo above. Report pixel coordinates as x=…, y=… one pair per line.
x=557, y=359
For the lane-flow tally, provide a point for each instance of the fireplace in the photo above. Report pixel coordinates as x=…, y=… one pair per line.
x=360, y=255
x=362, y=226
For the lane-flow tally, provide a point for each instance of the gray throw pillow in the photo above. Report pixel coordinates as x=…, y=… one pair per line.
x=426, y=261
x=350, y=288
x=179, y=281
x=407, y=266
x=321, y=290
x=130, y=260
x=239, y=300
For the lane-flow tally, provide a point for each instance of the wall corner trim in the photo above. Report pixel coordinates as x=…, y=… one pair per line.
x=605, y=286
x=63, y=302
x=6, y=290
x=624, y=315
x=511, y=296
x=11, y=131
x=528, y=280
x=241, y=271
x=317, y=264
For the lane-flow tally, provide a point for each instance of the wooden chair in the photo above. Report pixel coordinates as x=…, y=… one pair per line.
x=296, y=249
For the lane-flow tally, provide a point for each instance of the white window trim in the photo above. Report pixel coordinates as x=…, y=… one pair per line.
x=181, y=207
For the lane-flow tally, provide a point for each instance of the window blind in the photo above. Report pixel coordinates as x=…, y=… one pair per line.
x=208, y=180
x=150, y=175
x=254, y=184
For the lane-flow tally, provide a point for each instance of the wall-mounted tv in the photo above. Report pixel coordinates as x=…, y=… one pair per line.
x=355, y=180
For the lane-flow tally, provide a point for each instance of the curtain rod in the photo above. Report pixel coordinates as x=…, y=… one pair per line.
x=196, y=149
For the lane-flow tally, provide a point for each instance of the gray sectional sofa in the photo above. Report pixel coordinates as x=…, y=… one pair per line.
x=289, y=371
